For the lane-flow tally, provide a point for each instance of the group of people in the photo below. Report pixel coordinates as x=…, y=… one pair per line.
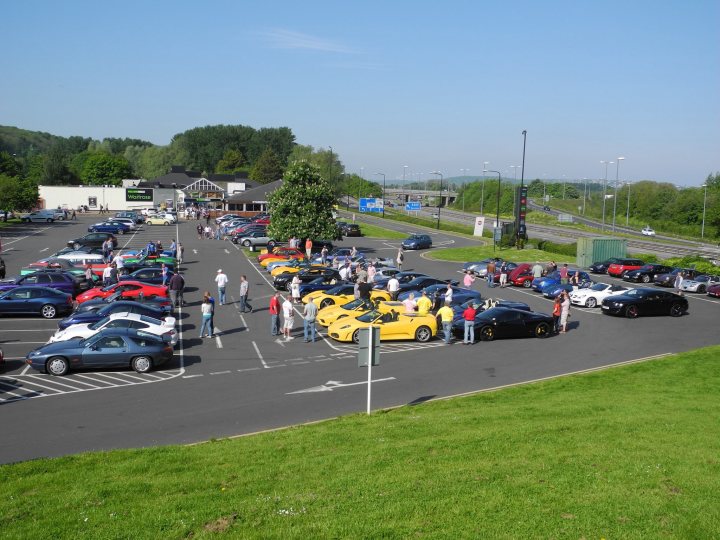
x=284, y=306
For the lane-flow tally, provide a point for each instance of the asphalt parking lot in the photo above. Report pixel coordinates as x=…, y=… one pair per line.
x=245, y=380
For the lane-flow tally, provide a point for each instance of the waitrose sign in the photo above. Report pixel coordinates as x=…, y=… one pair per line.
x=139, y=194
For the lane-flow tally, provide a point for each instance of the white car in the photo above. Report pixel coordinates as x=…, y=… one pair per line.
x=127, y=221
x=593, y=296
x=699, y=284
x=120, y=320
x=647, y=231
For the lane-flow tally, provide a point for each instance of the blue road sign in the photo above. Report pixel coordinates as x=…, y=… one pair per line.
x=371, y=205
x=412, y=205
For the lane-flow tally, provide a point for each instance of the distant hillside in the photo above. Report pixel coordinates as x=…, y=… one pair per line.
x=23, y=142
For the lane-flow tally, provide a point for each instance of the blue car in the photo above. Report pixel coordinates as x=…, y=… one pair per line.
x=417, y=241
x=89, y=317
x=151, y=275
x=112, y=347
x=554, y=278
x=159, y=302
x=319, y=284
x=402, y=277
x=54, y=279
x=43, y=301
x=112, y=227
x=552, y=290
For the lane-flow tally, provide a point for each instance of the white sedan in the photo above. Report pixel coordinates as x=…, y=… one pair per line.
x=120, y=320
x=700, y=284
x=593, y=296
x=647, y=231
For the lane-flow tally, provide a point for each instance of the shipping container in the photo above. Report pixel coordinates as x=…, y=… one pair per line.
x=598, y=249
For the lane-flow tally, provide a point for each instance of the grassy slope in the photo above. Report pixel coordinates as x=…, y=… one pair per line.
x=627, y=453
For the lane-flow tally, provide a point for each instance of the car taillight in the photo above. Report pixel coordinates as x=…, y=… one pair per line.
x=168, y=349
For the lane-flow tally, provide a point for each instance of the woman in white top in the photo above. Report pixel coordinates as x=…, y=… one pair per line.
x=206, y=310
x=295, y=288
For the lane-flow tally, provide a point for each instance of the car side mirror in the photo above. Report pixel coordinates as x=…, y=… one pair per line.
x=93, y=347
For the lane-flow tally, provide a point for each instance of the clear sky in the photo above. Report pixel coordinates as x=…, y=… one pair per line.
x=432, y=85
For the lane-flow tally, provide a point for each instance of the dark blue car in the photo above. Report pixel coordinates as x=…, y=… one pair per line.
x=151, y=275
x=552, y=290
x=538, y=284
x=42, y=301
x=159, y=302
x=112, y=347
x=417, y=241
x=89, y=317
x=402, y=277
x=61, y=281
x=113, y=227
x=319, y=284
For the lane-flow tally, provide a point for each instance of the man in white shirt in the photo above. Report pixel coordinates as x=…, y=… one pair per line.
x=393, y=287
x=221, y=279
x=288, y=318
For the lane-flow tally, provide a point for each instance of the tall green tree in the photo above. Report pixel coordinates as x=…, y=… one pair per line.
x=105, y=169
x=231, y=162
x=8, y=165
x=303, y=205
x=16, y=193
x=267, y=168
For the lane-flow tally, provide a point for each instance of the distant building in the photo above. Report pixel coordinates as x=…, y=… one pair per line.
x=253, y=200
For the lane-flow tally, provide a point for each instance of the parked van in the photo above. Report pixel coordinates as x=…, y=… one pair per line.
x=79, y=258
x=44, y=216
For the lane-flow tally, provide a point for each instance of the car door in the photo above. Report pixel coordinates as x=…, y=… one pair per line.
x=129, y=290
x=17, y=301
x=106, y=351
x=511, y=325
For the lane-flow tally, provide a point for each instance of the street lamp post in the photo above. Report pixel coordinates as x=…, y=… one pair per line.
x=702, y=230
x=482, y=189
x=383, y=193
x=440, y=198
x=497, y=219
x=606, y=163
x=627, y=213
x=463, y=187
x=515, y=167
x=403, y=188
x=584, y=194
x=617, y=179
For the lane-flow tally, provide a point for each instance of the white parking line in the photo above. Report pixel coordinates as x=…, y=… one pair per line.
x=260, y=356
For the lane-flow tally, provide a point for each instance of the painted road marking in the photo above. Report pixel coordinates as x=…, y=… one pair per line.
x=331, y=385
x=260, y=356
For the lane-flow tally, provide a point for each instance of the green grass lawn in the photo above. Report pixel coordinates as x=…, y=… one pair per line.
x=373, y=231
x=465, y=254
x=630, y=452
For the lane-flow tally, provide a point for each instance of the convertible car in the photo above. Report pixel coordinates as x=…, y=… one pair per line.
x=699, y=284
x=393, y=326
x=136, y=321
x=593, y=296
x=355, y=307
x=281, y=253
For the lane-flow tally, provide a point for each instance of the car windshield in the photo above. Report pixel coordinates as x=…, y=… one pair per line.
x=108, y=287
x=369, y=317
x=354, y=304
x=99, y=324
x=634, y=293
x=335, y=290
x=598, y=287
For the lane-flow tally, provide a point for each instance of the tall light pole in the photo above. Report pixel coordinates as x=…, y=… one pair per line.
x=362, y=171
x=584, y=194
x=403, y=188
x=482, y=190
x=497, y=219
x=463, y=187
x=606, y=163
x=564, y=181
x=440, y=198
x=627, y=214
x=515, y=167
x=617, y=179
x=383, y=193
x=330, y=168
x=522, y=172
x=702, y=230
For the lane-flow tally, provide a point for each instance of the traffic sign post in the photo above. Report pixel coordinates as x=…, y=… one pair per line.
x=412, y=206
x=371, y=205
x=369, y=354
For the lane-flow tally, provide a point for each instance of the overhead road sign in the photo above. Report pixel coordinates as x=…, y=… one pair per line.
x=371, y=205
x=412, y=206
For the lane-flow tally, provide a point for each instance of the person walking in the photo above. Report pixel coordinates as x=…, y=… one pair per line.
x=468, y=279
x=446, y=315
x=490, y=274
x=323, y=255
x=393, y=287
x=222, y=280
x=244, y=290
x=176, y=285
x=469, y=317
x=308, y=248
x=74, y=215
x=400, y=258
x=556, y=312
x=288, y=318
x=678, y=282
x=199, y=230
x=206, y=313
x=565, y=311
x=503, y=275
x=309, y=315
x=275, y=314
x=564, y=274
x=180, y=253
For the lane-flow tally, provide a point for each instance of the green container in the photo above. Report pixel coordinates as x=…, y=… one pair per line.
x=598, y=249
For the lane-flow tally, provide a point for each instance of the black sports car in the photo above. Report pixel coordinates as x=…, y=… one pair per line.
x=504, y=322
x=637, y=302
x=89, y=317
x=602, y=266
x=647, y=273
x=283, y=281
x=668, y=280
x=402, y=277
x=159, y=302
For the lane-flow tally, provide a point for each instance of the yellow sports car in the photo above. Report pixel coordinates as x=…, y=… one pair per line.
x=392, y=326
x=293, y=267
x=327, y=316
x=341, y=294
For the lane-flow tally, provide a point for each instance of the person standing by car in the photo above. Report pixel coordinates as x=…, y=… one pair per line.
x=490, y=274
x=678, y=282
x=176, y=285
x=221, y=279
x=564, y=274
x=206, y=313
x=565, y=311
x=503, y=275
x=295, y=288
x=308, y=248
x=180, y=253
x=173, y=249
x=537, y=270
x=309, y=315
x=400, y=258
x=393, y=287
x=371, y=271
x=88, y=272
x=424, y=304
x=288, y=318
x=244, y=290
x=106, y=276
x=446, y=315
x=469, y=317
x=323, y=255
x=410, y=304
x=469, y=279
x=556, y=312
x=164, y=273
x=275, y=314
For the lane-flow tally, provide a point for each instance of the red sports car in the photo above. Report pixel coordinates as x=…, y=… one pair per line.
x=283, y=253
x=129, y=289
x=714, y=290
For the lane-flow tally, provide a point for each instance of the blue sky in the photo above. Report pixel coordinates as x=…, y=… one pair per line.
x=432, y=85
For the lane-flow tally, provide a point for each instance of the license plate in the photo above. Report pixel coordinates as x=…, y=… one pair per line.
x=605, y=307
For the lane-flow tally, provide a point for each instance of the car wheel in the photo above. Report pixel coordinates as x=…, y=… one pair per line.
x=246, y=243
x=142, y=364
x=542, y=330
x=326, y=302
x=631, y=312
x=356, y=336
x=622, y=274
x=487, y=333
x=646, y=279
x=166, y=223
x=48, y=311
x=423, y=334
x=49, y=220
x=527, y=283
x=702, y=289
x=76, y=246
x=121, y=231
x=591, y=302
x=57, y=365
x=676, y=310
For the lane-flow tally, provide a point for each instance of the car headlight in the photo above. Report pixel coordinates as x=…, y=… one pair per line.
x=616, y=304
x=34, y=353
